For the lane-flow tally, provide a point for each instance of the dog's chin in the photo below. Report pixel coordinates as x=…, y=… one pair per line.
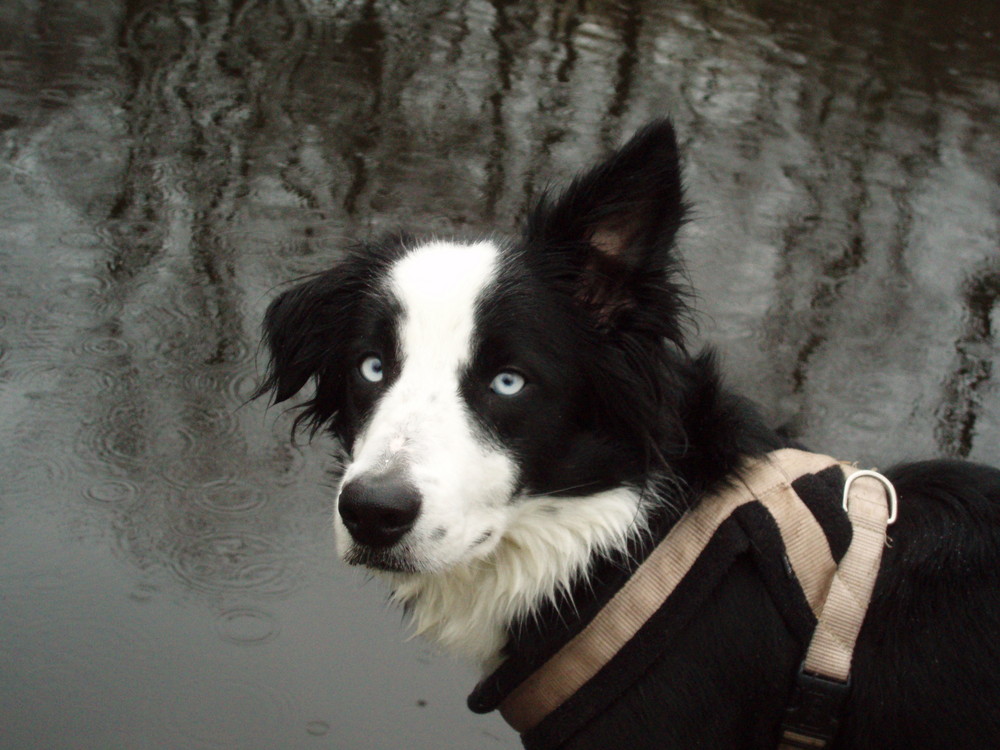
x=383, y=560
x=400, y=559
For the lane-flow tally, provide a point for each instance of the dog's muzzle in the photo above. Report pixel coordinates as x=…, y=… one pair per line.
x=379, y=509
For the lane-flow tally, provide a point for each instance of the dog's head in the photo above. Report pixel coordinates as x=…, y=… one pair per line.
x=464, y=380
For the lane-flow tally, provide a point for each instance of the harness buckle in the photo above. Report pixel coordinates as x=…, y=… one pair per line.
x=813, y=713
x=890, y=491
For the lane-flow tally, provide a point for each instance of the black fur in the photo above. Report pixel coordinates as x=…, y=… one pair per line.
x=315, y=331
x=590, y=303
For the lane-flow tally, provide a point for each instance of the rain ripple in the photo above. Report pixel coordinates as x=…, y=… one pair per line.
x=119, y=436
x=40, y=456
x=199, y=422
x=229, y=496
x=246, y=626
x=104, y=345
x=118, y=492
x=235, y=561
x=237, y=386
x=64, y=296
x=191, y=472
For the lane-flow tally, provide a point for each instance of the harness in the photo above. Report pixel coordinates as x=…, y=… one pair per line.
x=837, y=593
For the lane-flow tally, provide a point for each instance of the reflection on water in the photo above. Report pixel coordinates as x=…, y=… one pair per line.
x=168, y=579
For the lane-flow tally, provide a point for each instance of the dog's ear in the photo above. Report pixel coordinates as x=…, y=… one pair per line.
x=292, y=340
x=612, y=230
x=304, y=330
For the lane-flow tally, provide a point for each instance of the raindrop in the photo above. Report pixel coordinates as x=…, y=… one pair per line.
x=112, y=492
x=143, y=592
x=105, y=346
x=247, y=627
x=317, y=728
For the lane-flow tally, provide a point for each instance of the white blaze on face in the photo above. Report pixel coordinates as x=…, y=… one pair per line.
x=423, y=425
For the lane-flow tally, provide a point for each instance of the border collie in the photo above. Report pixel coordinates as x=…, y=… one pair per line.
x=522, y=422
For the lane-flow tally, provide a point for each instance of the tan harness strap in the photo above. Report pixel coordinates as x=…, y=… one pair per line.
x=851, y=590
x=768, y=481
x=812, y=718
x=805, y=542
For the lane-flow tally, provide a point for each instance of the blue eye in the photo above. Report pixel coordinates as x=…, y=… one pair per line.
x=371, y=368
x=507, y=383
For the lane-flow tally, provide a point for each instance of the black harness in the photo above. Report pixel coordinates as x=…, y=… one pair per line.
x=789, y=512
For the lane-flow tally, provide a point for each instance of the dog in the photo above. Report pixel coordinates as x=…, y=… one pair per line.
x=522, y=421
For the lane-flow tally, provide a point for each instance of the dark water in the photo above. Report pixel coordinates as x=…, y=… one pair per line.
x=166, y=571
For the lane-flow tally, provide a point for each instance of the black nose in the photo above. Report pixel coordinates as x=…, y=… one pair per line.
x=378, y=509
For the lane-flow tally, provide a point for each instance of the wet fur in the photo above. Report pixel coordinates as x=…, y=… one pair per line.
x=629, y=429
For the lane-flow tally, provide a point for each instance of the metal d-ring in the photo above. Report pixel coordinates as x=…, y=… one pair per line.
x=890, y=490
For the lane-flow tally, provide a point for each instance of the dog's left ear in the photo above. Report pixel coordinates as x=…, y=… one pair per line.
x=613, y=228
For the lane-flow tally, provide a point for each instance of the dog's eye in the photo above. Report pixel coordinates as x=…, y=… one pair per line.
x=507, y=383
x=371, y=368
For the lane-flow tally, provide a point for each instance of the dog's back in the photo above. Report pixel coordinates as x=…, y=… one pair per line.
x=926, y=672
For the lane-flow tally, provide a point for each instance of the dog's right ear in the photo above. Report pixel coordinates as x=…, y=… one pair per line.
x=306, y=331
x=292, y=332
x=309, y=330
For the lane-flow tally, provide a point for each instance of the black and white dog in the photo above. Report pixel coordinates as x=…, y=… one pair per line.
x=522, y=421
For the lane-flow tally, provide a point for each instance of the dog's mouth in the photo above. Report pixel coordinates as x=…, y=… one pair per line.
x=387, y=560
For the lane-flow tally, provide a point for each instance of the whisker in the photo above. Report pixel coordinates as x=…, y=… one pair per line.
x=556, y=492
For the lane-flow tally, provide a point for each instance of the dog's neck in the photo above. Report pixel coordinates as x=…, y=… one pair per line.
x=547, y=548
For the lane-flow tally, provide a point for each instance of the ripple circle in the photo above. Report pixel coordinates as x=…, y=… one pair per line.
x=112, y=492
x=230, y=496
x=234, y=562
x=247, y=627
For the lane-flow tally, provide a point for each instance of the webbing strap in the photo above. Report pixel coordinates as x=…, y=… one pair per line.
x=768, y=481
x=813, y=716
x=851, y=590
